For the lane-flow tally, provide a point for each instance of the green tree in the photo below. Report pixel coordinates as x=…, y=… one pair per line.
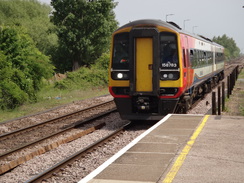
x=231, y=49
x=34, y=16
x=22, y=67
x=84, y=29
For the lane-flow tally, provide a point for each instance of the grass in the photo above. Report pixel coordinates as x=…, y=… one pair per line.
x=241, y=107
x=49, y=98
x=241, y=93
x=235, y=104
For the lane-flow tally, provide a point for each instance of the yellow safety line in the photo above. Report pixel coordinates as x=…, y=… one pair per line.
x=181, y=158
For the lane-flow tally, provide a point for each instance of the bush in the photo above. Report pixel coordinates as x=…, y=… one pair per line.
x=22, y=68
x=11, y=95
x=103, y=61
x=96, y=75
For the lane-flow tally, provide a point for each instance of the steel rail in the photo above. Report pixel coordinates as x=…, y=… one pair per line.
x=2, y=156
x=45, y=111
x=54, y=119
x=58, y=167
x=20, y=160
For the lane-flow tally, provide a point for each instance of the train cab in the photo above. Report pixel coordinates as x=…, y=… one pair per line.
x=150, y=72
x=145, y=71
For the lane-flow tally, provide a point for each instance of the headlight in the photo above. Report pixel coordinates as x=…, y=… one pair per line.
x=169, y=75
x=120, y=75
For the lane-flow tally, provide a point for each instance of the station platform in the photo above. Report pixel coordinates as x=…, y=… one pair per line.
x=180, y=148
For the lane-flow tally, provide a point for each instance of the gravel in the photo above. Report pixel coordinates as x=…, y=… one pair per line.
x=43, y=162
x=203, y=107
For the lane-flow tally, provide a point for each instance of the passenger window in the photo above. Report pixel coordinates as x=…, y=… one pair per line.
x=184, y=57
x=192, y=57
x=121, y=51
x=168, y=50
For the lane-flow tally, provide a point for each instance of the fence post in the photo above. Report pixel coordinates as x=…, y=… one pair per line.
x=231, y=83
x=228, y=86
x=223, y=96
x=213, y=103
x=219, y=101
x=237, y=73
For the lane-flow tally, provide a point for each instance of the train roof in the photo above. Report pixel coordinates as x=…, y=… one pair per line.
x=151, y=22
x=170, y=25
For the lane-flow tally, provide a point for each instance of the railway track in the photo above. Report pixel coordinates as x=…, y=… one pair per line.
x=60, y=167
x=57, y=119
x=8, y=157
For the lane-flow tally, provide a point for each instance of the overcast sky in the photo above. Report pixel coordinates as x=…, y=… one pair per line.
x=206, y=17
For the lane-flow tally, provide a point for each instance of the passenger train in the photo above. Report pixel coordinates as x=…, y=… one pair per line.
x=157, y=68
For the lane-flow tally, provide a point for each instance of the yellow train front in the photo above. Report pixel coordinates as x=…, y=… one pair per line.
x=143, y=87
x=155, y=67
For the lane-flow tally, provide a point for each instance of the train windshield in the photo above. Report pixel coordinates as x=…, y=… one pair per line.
x=121, y=51
x=168, y=51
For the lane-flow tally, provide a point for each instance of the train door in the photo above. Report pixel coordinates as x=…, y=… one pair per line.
x=144, y=64
x=186, y=57
x=185, y=60
x=188, y=64
x=144, y=53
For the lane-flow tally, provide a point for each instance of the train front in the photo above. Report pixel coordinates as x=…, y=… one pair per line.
x=144, y=73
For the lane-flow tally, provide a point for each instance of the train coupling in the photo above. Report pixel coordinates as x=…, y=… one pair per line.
x=143, y=103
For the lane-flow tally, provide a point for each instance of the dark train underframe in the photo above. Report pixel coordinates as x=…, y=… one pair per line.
x=197, y=91
x=151, y=107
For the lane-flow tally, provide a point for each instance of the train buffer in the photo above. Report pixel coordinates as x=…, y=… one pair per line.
x=180, y=148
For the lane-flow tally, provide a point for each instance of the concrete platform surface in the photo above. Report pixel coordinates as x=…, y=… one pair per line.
x=180, y=148
x=218, y=153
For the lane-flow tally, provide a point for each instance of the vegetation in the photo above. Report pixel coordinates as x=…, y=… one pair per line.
x=50, y=97
x=85, y=77
x=75, y=87
x=34, y=17
x=241, y=93
x=235, y=104
x=84, y=29
x=22, y=68
x=27, y=36
x=231, y=49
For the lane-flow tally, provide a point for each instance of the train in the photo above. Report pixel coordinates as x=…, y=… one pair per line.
x=156, y=68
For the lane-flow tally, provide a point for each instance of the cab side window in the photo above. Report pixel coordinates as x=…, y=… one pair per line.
x=121, y=51
x=168, y=50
